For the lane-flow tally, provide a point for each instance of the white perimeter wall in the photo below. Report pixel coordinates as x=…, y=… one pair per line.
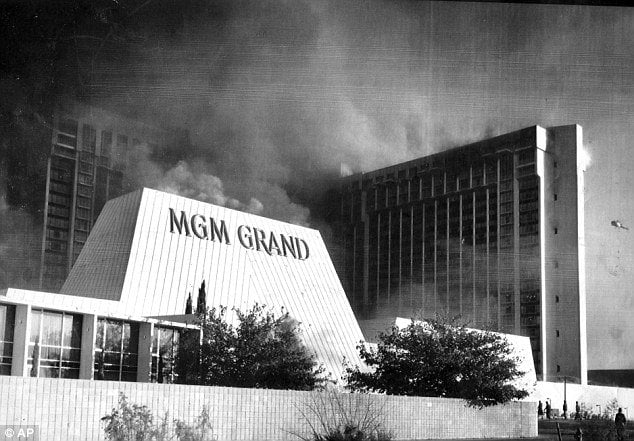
x=71, y=410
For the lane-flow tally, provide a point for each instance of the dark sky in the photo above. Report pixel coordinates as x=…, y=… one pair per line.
x=280, y=96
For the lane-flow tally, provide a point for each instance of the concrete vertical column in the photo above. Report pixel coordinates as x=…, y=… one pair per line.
x=21, y=333
x=400, y=259
x=378, y=257
x=145, y=352
x=411, y=260
x=354, y=295
x=365, y=219
x=446, y=220
x=516, y=246
x=460, y=266
x=424, y=305
x=435, y=255
x=87, y=358
x=389, y=255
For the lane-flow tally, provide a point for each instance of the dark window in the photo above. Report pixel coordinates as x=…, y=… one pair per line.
x=7, y=325
x=83, y=202
x=55, y=344
x=116, y=350
x=106, y=143
x=53, y=245
x=85, y=179
x=56, y=234
x=68, y=126
x=164, y=349
x=67, y=132
x=122, y=141
x=81, y=224
x=83, y=213
x=89, y=138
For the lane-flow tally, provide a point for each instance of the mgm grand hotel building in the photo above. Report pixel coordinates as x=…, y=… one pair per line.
x=493, y=231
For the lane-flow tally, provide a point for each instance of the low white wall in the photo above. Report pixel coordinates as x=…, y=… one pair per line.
x=72, y=409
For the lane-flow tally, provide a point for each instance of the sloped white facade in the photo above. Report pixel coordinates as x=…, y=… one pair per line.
x=150, y=249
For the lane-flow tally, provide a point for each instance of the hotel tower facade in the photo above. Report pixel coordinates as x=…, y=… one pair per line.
x=493, y=231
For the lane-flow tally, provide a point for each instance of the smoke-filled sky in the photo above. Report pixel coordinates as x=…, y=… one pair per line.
x=279, y=97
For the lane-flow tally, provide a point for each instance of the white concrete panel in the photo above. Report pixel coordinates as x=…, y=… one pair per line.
x=156, y=268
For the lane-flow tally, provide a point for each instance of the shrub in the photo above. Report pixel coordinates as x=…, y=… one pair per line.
x=200, y=431
x=132, y=422
x=334, y=416
x=598, y=429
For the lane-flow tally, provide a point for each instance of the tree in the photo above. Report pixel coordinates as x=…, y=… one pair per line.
x=201, y=302
x=439, y=358
x=188, y=304
x=261, y=351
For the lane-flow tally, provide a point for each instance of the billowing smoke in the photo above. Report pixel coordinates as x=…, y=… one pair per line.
x=278, y=102
x=203, y=187
x=192, y=178
x=279, y=98
x=20, y=245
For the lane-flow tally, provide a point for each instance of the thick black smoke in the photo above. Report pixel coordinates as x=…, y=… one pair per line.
x=279, y=99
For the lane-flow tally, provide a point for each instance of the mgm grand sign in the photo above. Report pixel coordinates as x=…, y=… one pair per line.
x=250, y=237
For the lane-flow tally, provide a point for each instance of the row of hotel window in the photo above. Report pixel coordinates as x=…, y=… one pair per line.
x=54, y=349
x=391, y=189
x=462, y=173
x=67, y=131
x=379, y=198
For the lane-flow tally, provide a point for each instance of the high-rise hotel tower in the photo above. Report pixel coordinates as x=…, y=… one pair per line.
x=90, y=149
x=493, y=231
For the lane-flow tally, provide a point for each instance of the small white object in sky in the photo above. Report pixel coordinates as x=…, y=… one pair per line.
x=618, y=224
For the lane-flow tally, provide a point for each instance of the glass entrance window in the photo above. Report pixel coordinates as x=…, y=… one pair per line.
x=54, y=344
x=164, y=349
x=7, y=324
x=116, y=350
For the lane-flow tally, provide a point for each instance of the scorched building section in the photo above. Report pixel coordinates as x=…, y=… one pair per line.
x=492, y=231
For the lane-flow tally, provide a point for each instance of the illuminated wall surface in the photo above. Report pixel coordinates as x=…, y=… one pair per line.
x=149, y=250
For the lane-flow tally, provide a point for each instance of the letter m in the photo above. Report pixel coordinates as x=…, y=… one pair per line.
x=179, y=224
x=219, y=232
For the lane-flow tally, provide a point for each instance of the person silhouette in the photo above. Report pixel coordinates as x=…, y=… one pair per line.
x=619, y=422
